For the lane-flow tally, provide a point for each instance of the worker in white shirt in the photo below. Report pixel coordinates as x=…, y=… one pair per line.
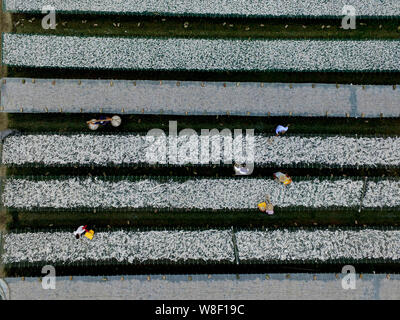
x=282, y=177
x=80, y=231
x=241, y=170
x=281, y=129
x=270, y=206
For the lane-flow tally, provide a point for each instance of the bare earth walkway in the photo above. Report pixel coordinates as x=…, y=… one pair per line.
x=218, y=286
x=6, y=26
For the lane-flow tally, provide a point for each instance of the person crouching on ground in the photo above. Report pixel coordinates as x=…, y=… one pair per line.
x=80, y=231
x=282, y=177
x=266, y=206
x=241, y=170
x=281, y=129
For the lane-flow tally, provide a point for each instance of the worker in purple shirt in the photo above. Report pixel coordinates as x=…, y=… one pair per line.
x=103, y=120
x=281, y=129
x=241, y=170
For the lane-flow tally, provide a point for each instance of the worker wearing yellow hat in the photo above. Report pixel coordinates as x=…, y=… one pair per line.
x=266, y=206
x=282, y=177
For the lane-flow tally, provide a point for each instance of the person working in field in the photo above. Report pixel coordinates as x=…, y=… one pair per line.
x=282, y=177
x=80, y=231
x=93, y=124
x=241, y=170
x=281, y=129
x=266, y=206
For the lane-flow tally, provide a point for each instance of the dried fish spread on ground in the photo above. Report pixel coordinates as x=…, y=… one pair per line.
x=130, y=149
x=384, y=193
x=266, y=8
x=122, y=246
x=195, y=193
x=210, y=245
x=284, y=245
x=200, y=54
x=198, y=98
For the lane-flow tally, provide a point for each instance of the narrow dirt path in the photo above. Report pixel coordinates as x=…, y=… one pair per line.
x=5, y=26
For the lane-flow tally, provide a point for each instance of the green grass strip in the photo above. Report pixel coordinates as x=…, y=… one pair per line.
x=74, y=123
x=131, y=25
x=245, y=8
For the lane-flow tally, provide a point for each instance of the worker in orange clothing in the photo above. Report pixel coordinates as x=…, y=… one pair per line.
x=266, y=206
